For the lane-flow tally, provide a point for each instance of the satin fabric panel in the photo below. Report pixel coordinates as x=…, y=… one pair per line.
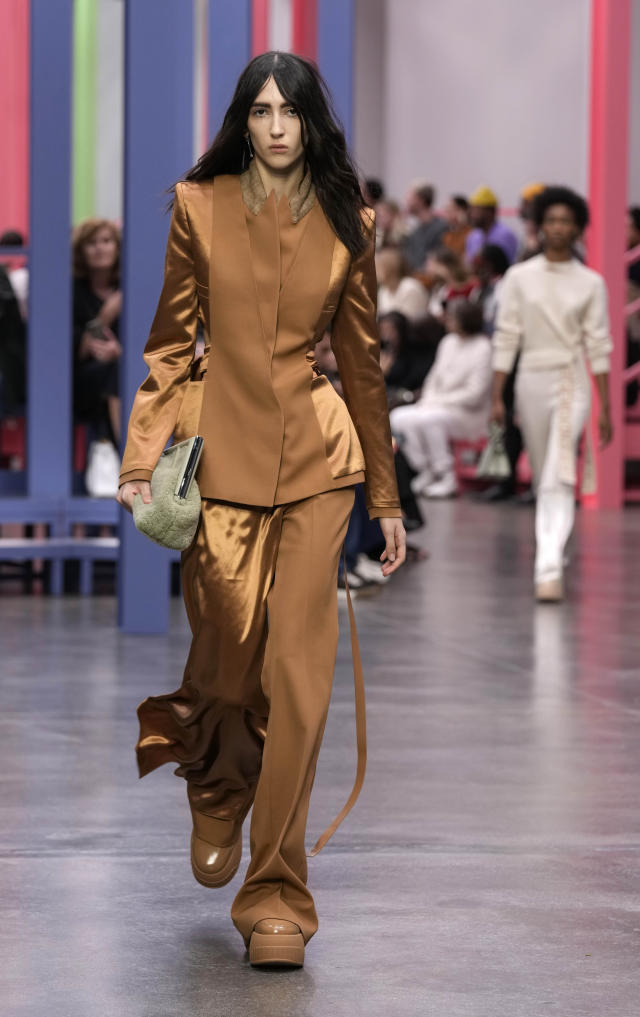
x=260, y=589
x=272, y=447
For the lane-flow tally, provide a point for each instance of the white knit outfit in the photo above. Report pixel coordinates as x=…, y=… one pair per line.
x=454, y=405
x=410, y=298
x=554, y=313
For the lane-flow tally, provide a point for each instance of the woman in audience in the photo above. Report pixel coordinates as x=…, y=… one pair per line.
x=397, y=290
x=450, y=279
x=390, y=227
x=97, y=302
x=407, y=353
x=454, y=404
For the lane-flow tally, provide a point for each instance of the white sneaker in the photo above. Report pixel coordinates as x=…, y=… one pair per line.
x=421, y=482
x=444, y=487
x=369, y=570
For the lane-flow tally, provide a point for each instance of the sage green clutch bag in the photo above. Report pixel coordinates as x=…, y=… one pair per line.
x=171, y=519
x=494, y=463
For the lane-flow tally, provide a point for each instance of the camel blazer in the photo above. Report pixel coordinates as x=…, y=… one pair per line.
x=266, y=279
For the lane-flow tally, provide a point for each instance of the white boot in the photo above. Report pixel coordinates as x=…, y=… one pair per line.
x=445, y=486
x=421, y=481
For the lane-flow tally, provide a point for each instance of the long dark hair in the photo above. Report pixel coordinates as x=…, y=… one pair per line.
x=332, y=171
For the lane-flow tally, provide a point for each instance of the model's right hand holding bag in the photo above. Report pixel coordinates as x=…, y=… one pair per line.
x=270, y=244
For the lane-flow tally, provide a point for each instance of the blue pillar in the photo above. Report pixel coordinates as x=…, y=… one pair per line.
x=49, y=352
x=158, y=151
x=229, y=53
x=335, y=56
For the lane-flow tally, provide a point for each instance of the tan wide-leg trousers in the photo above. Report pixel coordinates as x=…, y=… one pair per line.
x=260, y=588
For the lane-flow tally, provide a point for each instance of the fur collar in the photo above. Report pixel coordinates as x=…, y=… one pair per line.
x=255, y=195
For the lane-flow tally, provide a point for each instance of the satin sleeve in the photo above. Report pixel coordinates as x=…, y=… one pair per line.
x=168, y=354
x=356, y=347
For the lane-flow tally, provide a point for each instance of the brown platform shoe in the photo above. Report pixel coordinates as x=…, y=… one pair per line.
x=276, y=943
x=216, y=849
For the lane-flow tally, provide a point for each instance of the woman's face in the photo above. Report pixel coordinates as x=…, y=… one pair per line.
x=275, y=130
x=101, y=250
x=389, y=335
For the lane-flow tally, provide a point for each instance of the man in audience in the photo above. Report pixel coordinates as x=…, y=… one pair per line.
x=456, y=212
x=530, y=243
x=487, y=229
x=429, y=229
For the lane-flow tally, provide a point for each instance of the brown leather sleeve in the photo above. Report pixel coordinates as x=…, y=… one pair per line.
x=356, y=346
x=168, y=354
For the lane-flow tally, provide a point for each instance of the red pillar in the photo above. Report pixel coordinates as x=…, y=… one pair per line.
x=259, y=27
x=304, y=31
x=14, y=115
x=608, y=190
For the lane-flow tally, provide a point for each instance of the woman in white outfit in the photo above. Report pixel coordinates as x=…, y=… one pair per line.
x=453, y=406
x=553, y=309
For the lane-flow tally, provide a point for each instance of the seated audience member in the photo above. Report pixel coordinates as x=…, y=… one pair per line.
x=530, y=242
x=407, y=353
x=428, y=230
x=372, y=191
x=97, y=302
x=450, y=279
x=454, y=404
x=17, y=270
x=13, y=394
x=489, y=268
x=487, y=229
x=633, y=292
x=456, y=213
x=390, y=228
x=397, y=290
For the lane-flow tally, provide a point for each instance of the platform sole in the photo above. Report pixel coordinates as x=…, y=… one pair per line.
x=276, y=950
x=224, y=875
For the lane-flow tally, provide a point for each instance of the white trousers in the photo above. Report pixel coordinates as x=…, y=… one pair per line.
x=425, y=433
x=538, y=395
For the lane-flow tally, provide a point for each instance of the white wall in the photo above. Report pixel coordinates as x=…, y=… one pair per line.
x=493, y=92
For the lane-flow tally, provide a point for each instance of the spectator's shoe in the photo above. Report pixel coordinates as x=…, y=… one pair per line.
x=368, y=570
x=357, y=585
x=276, y=943
x=550, y=591
x=443, y=487
x=214, y=864
x=420, y=482
x=497, y=492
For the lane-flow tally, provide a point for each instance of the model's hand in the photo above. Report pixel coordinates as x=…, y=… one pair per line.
x=395, y=538
x=128, y=491
x=498, y=413
x=605, y=427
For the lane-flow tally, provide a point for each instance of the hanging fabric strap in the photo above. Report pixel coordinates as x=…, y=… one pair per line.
x=361, y=727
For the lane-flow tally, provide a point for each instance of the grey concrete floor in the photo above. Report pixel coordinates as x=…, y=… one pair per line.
x=490, y=869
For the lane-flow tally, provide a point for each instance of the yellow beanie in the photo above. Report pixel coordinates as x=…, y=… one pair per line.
x=483, y=198
x=531, y=191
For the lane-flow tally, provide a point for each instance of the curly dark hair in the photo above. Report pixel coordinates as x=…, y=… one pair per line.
x=556, y=195
x=326, y=155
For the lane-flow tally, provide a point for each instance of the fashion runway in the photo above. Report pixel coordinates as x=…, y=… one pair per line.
x=490, y=869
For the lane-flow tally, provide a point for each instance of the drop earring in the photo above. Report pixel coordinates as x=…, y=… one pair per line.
x=250, y=151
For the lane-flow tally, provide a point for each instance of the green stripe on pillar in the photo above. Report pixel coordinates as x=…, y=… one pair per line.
x=84, y=108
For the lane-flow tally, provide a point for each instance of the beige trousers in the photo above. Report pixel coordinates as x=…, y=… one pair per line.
x=260, y=589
